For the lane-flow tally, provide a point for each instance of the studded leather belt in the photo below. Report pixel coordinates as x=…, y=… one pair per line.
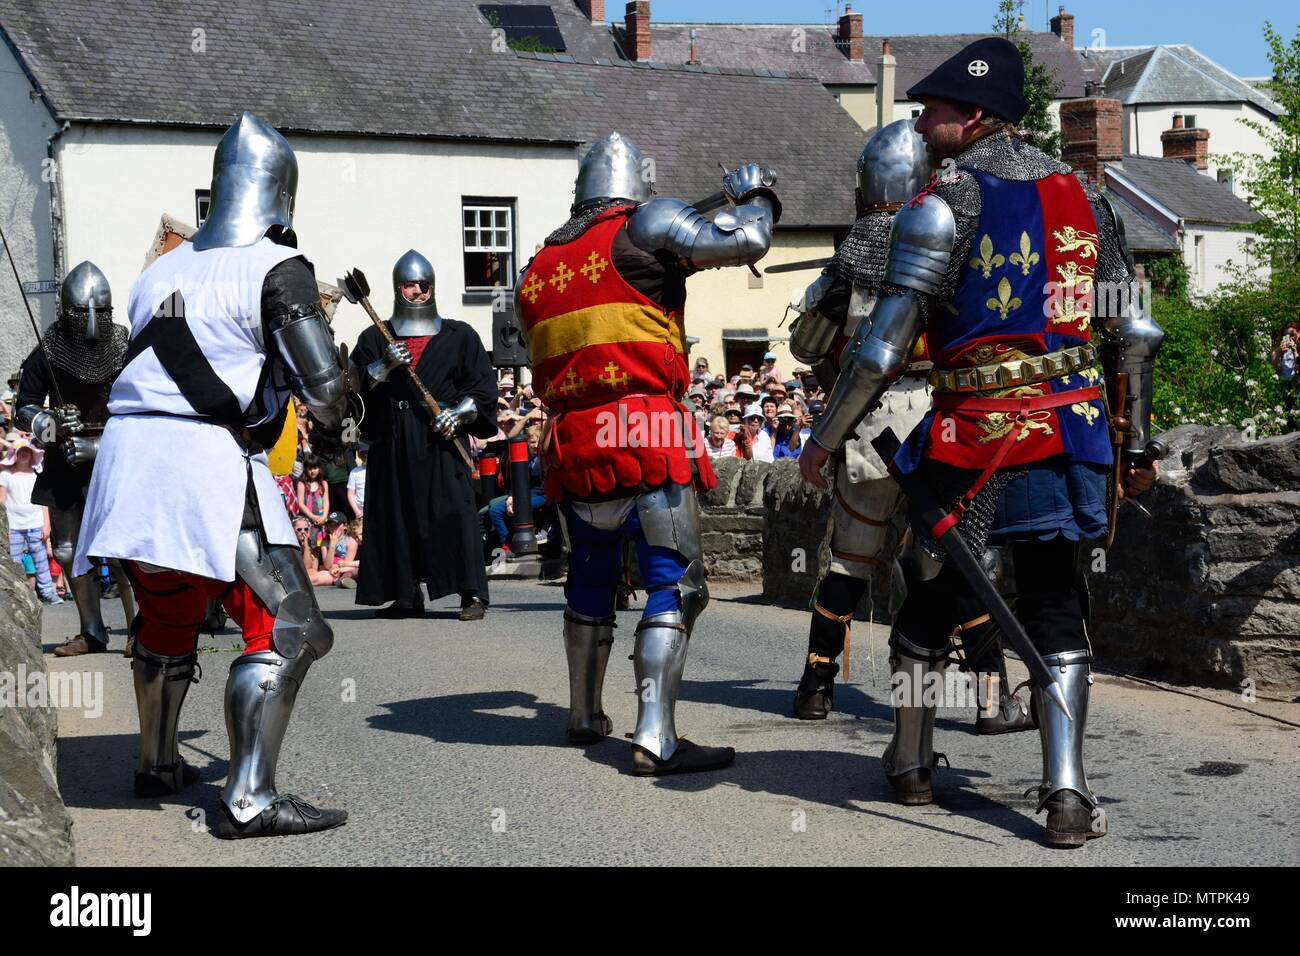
x=1020, y=371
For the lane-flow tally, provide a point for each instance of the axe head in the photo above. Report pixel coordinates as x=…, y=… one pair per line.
x=355, y=286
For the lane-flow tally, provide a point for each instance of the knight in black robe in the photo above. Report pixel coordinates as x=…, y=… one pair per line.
x=421, y=521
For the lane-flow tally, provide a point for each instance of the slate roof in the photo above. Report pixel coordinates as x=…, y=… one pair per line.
x=918, y=55
x=1172, y=73
x=1143, y=235
x=316, y=66
x=802, y=49
x=1188, y=194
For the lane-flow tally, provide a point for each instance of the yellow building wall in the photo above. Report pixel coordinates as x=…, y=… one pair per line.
x=720, y=299
x=859, y=102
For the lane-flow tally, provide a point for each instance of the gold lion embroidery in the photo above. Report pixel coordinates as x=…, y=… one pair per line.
x=987, y=260
x=1005, y=301
x=1026, y=258
x=1075, y=295
x=998, y=425
x=1076, y=240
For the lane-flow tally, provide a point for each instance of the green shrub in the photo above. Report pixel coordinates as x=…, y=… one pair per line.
x=1214, y=367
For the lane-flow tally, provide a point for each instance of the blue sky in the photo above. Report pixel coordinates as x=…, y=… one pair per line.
x=1229, y=32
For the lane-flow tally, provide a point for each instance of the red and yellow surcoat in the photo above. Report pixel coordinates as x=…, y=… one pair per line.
x=609, y=364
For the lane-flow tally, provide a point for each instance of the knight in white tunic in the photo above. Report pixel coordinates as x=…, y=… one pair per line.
x=223, y=330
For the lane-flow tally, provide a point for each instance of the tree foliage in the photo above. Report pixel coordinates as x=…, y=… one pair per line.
x=1040, y=86
x=1273, y=181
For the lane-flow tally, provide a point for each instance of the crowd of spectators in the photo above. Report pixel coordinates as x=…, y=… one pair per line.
x=754, y=414
x=758, y=415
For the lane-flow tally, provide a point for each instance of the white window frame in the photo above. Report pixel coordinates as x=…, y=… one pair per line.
x=478, y=230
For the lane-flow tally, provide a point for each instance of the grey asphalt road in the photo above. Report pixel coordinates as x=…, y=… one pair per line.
x=445, y=742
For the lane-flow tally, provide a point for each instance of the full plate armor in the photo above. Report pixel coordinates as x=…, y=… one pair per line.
x=997, y=263
x=224, y=329
x=623, y=456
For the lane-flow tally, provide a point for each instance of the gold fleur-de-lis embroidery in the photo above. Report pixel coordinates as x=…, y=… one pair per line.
x=561, y=277
x=1005, y=301
x=532, y=288
x=1090, y=374
x=987, y=259
x=595, y=267
x=1026, y=258
x=1086, y=410
x=1076, y=240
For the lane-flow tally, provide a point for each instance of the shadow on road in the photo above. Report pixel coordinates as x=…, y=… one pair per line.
x=830, y=778
x=468, y=719
x=98, y=773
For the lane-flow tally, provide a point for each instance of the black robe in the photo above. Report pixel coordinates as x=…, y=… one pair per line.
x=421, y=517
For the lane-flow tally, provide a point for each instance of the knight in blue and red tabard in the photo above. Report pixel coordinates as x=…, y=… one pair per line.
x=997, y=261
x=421, y=519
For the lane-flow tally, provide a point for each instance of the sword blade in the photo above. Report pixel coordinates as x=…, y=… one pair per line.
x=886, y=445
x=802, y=266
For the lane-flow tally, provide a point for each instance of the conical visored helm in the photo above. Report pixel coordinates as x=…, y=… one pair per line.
x=85, y=286
x=85, y=302
x=894, y=165
x=413, y=267
x=614, y=168
x=254, y=179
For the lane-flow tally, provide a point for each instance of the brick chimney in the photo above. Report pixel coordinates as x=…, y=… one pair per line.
x=1063, y=27
x=1192, y=145
x=1092, y=134
x=636, y=22
x=885, y=68
x=594, y=9
x=849, y=36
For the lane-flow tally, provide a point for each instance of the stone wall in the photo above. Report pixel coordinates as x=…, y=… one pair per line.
x=1208, y=588
x=764, y=519
x=35, y=829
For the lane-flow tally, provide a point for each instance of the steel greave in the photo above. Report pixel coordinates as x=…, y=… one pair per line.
x=912, y=746
x=587, y=643
x=85, y=591
x=161, y=684
x=658, y=662
x=1062, y=737
x=260, y=695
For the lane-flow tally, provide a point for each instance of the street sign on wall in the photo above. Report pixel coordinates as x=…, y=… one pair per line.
x=40, y=287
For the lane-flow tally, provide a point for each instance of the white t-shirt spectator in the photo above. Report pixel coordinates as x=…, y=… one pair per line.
x=23, y=515
x=357, y=484
x=763, y=446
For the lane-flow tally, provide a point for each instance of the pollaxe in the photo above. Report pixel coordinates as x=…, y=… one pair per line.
x=421, y=519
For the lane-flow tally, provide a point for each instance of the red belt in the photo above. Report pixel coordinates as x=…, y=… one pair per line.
x=1021, y=407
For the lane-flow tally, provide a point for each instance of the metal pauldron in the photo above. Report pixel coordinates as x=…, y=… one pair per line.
x=1021, y=371
x=920, y=245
